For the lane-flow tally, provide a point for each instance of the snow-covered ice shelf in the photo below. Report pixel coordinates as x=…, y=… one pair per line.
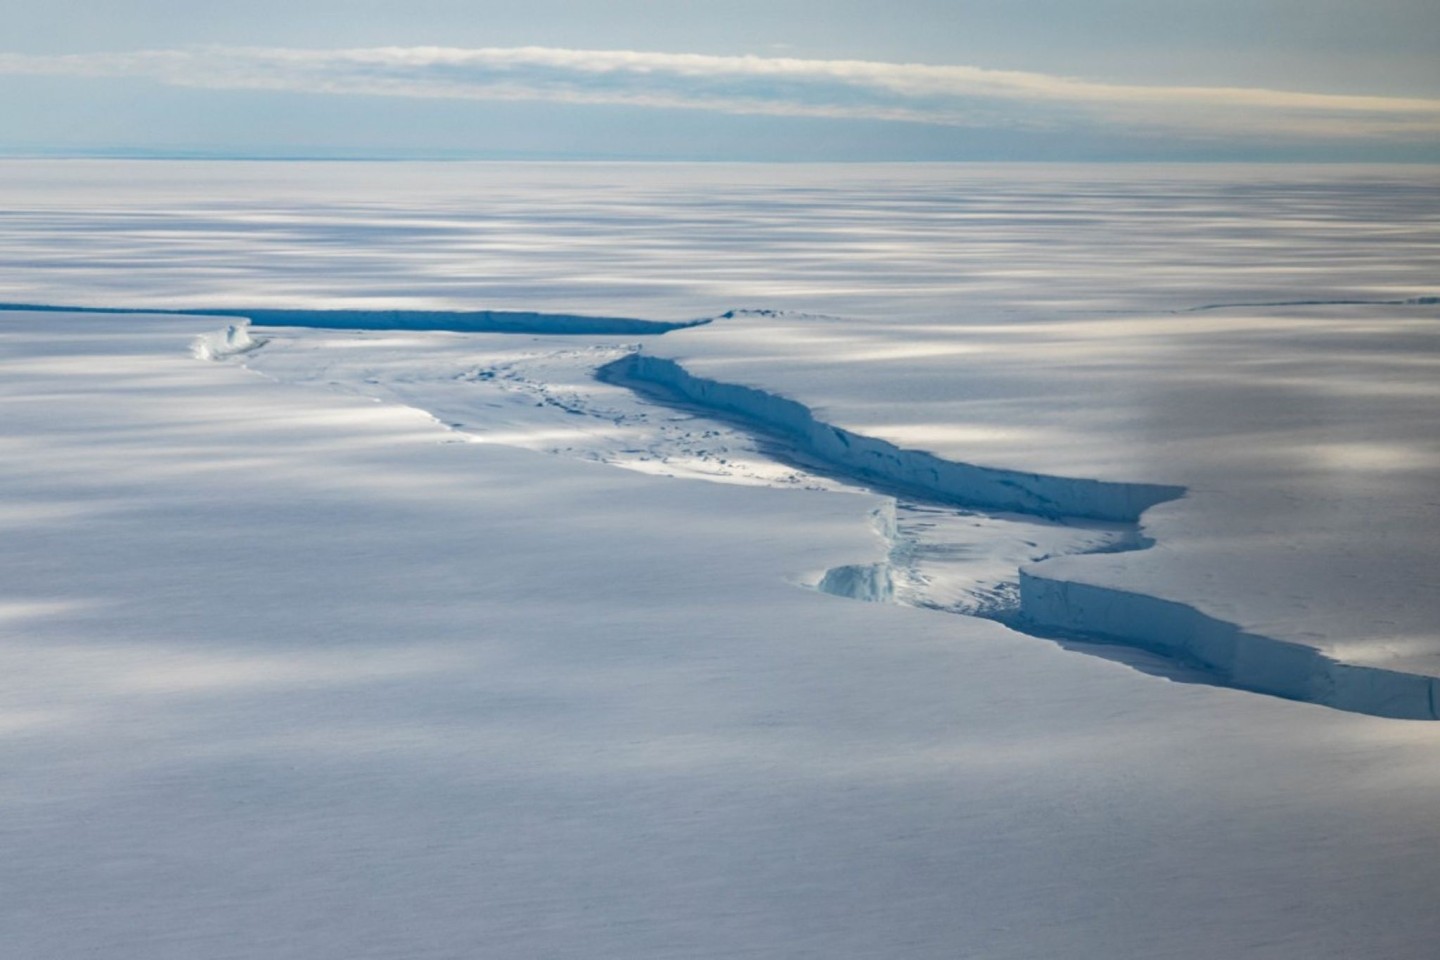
x=559, y=396
x=928, y=564
x=1245, y=659
x=1301, y=559
x=311, y=672
x=916, y=470
x=296, y=670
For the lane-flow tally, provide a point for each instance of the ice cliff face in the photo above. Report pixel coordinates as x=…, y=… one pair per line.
x=870, y=582
x=1051, y=599
x=1240, y=658
x=232, y=340
x=1053, y=605
x=454, y=321
x=913, y=470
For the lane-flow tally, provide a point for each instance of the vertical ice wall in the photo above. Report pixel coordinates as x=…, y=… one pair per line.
x=1050, y=605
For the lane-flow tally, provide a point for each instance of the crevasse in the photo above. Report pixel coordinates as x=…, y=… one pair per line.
x=1051, y=606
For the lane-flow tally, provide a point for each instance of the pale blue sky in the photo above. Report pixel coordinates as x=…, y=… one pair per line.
x=1047, y=79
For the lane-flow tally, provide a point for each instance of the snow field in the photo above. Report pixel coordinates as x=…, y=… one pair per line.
x=313, y=673
x=296, y=674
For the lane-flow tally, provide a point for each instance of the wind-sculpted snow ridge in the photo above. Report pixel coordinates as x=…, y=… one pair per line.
x=1051, y=607
x=452, y=321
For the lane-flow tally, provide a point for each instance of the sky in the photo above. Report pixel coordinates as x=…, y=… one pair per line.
x=735, y=80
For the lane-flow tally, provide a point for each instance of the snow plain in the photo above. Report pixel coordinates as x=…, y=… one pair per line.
x=307, y=672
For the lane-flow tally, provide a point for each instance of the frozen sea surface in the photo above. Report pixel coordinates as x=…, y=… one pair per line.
x=298, y=668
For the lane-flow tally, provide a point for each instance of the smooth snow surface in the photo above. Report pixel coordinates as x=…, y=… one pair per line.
x=966, y=244
x=324, y=643
x=295, y=674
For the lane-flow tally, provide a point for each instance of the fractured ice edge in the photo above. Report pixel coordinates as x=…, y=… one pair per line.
x=1048, y=607
x=451, y=321
x=1051, y=607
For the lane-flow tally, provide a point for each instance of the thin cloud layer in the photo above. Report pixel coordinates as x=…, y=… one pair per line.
x=956, y=96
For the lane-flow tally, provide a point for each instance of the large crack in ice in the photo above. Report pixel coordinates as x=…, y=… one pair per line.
x=878, y=461
x=1356, y=302
x=1070, y=611
x=548, y=395
x=542, y=393
x=964, y=538
x=452, y=321
x=1087, y=617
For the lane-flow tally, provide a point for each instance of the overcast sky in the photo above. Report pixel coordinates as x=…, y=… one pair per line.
x=743, y=79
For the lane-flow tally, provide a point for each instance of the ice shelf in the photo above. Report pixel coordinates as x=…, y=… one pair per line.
x=1051, y=606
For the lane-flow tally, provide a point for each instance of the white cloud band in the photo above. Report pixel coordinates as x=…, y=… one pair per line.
x=857, y=89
